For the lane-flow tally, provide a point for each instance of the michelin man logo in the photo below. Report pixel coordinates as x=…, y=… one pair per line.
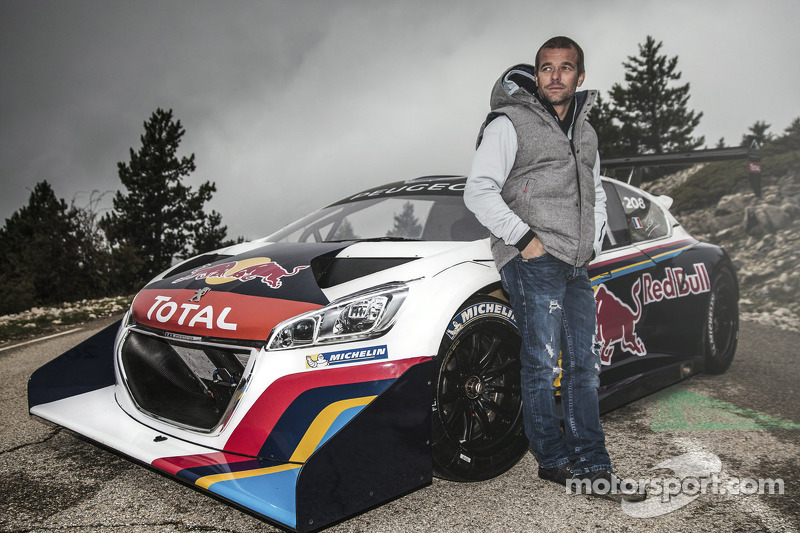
x=316, y=361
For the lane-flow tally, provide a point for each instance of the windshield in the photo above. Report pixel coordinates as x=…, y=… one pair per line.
x=411, y=217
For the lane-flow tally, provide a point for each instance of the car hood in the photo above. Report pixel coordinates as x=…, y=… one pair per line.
x=235, y=296
x=242, y=293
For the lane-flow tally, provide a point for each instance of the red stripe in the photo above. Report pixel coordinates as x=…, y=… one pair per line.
x=173, y=465
x=253, y=430
x=255, y=427
x=642, y=252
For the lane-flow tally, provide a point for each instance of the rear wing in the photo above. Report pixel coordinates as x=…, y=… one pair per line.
x=751, y=153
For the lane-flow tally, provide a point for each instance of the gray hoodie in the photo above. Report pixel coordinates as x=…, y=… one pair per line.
x=533, y=177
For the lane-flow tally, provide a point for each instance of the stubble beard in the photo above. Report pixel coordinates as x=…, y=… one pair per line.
x=565, y=97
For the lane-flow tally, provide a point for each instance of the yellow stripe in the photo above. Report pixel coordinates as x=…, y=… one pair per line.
x=673, y=251
x=207, y=481
x=621, y=269
x=321, y=424
x=307, y=445
x=677, y=250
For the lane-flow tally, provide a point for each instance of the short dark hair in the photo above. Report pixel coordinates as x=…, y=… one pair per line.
x=562, y=42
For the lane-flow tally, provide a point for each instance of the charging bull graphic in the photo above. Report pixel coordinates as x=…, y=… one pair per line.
x=616, y=322
x=264, y=268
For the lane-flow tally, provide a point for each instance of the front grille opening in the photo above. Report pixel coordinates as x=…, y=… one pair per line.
x=188, y=384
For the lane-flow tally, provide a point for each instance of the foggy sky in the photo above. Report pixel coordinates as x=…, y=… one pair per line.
x=289, y=106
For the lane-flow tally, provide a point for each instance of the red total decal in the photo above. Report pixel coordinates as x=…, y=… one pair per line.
x=217, y=314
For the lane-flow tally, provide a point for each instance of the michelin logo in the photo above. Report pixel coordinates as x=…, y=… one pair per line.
x=347, y=356
x=478, y=311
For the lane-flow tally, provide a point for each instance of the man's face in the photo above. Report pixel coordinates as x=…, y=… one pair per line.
x=557, y=75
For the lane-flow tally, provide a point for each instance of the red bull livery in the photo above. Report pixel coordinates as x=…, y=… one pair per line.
x=346, y=359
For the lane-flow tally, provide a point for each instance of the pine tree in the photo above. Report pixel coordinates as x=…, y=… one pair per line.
x=793, y=128
x=406, y=225
x=209, y=234
x=609, y=133
x=160, y=219
x=345, y=231
x=789, y=141
x=40, y=262
x=651, y=111
x=93, y=249
x=760, y=131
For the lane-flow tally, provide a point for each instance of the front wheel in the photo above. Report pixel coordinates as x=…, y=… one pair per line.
x=722, y=322
x=477, y=413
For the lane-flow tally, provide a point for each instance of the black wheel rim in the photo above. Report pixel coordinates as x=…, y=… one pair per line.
x=479, y=400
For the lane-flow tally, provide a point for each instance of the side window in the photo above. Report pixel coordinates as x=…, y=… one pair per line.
x=617, y=232
x=646, y=219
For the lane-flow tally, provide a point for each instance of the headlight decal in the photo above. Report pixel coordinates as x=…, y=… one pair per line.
x=358, y=317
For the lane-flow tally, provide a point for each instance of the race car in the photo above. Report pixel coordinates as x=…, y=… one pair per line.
x=346, y=359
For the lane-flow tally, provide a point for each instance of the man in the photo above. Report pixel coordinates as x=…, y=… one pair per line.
x=535, y=185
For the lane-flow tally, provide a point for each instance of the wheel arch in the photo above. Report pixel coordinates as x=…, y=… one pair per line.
x=716, y=259
x=457, y=285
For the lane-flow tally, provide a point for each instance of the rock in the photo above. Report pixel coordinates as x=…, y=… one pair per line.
x=776, y=217
x=730, y=231
x=732, y=204
x=725, y=222
x=791, y=210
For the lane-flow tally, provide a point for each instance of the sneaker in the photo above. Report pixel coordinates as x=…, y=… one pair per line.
x=606, y=484
x=559, y=474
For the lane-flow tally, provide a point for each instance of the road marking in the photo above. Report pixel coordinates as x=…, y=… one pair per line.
x=40, y=339
x=684, y=410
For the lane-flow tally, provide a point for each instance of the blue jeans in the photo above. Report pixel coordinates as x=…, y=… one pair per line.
x=555, y=310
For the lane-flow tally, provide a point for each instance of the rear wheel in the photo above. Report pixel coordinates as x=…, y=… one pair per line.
x=722, y=322
x=477, y=412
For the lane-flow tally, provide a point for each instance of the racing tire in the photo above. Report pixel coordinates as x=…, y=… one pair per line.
x=722, y=322
x=477, y=422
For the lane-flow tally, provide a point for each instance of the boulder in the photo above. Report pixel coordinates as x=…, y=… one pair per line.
x=732, y=204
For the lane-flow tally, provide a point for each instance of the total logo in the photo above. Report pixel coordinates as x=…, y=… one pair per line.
x=263, y=268
x=616, y=320
x=164, y=309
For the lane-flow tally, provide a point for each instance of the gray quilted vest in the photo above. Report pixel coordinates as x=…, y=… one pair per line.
x=551, y=185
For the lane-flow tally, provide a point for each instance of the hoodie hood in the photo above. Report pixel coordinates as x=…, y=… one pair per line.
x=517, y=85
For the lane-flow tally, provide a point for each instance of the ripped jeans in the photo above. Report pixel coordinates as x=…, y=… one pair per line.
x=555, y=311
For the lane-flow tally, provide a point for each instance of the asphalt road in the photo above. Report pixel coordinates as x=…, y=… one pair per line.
x=749, y=418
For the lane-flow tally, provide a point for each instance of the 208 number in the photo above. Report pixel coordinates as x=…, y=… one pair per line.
x=632, y=202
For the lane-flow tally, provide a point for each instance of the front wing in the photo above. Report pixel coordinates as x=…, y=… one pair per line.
x=369, y=452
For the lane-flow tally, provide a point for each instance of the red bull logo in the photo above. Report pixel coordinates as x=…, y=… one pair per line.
x=263, y=268
x=676, y=284
x=616, y=322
